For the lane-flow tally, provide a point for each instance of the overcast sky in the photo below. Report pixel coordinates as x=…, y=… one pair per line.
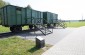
x=67, y=9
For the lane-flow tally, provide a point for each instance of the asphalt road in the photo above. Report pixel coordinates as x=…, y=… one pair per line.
x=57, y=35
x=73, y=44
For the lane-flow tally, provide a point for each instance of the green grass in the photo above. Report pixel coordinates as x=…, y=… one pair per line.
x=4, y=29
x=7, y=29
x=25, y=28
x=18, y=46
x=75, y=24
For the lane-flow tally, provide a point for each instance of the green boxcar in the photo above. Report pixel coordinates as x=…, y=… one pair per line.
x=55, y=18
x=38, y=18
x=33, y=16
x=12, y=15
x=15, y=17
x=46, y=16
x=49, y=18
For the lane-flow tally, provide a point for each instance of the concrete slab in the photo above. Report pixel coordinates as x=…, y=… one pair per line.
x=73, y=44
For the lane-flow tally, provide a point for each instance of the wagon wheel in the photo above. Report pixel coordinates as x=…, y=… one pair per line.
x=19, y=28
x=31, y=26
x=16, y=28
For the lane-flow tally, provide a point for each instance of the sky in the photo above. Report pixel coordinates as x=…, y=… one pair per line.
x=66, y=9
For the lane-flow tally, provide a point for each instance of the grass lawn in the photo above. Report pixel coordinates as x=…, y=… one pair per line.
x=7, y=29
x=18, y=46
x=4, y=29
x=75, y=24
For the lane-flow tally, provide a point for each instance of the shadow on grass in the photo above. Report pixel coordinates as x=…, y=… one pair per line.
x=32, y=50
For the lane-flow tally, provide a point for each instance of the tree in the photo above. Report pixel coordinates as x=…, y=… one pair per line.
x=28, y=6
x=2, y=3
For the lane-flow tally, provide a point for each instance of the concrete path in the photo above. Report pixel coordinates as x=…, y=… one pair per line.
x=73, y=44
x=55, y=37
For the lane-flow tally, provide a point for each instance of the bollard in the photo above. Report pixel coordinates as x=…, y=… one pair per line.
x=40, y=42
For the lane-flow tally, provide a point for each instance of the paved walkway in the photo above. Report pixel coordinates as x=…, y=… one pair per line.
x=73, y=44
x=55, y=37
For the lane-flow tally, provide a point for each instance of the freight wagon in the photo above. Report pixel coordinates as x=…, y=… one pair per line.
x=50, y=18
x=15, y=17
